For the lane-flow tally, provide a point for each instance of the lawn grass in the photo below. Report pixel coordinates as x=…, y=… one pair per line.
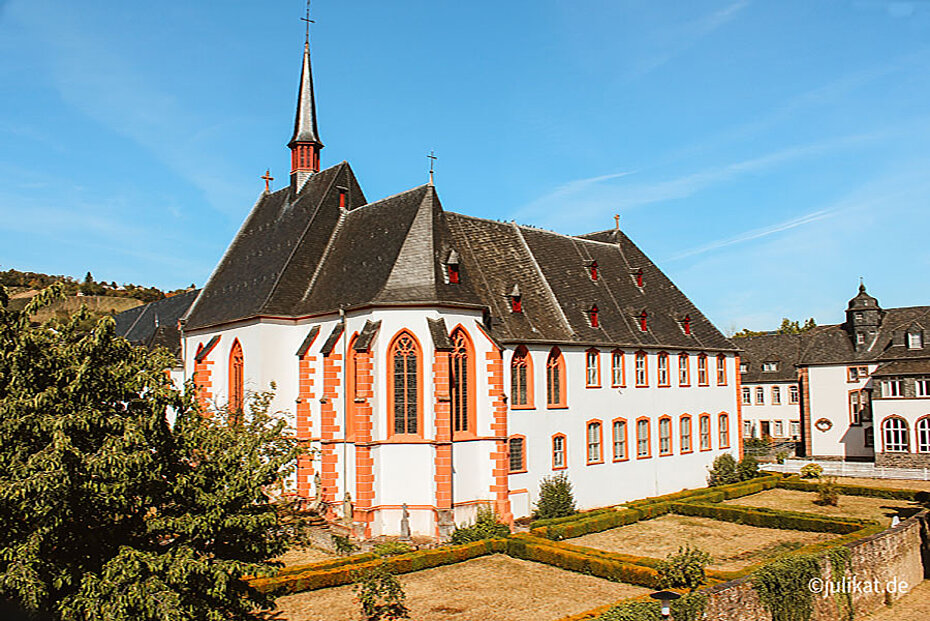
x=732, y=546
x=879, y=509
x=489, y=588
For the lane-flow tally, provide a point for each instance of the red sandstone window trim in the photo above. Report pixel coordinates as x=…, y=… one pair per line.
x=522, y=359
x=556, y=387
x=398, y=344
x=706, y=440
x=671, y=436
x=616, y=356
x=640, y=437
x=723, y=430
x=686, y=418
x=462, y=362
x=596, y=425
x=614, y=439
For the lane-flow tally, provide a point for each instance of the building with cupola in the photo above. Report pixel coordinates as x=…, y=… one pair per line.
x=432, y=361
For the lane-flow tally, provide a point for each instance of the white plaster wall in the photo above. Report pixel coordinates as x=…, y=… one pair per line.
x=609, y=482
x=785, y=412
x=829, y=398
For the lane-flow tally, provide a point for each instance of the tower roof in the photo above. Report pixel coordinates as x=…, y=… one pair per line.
x=305, y=129
x=863, y=300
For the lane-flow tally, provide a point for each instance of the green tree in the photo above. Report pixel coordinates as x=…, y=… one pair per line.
x=555, y=497
x=747, y=468
x=381, y=595
x=106, y=512
x=723, y=470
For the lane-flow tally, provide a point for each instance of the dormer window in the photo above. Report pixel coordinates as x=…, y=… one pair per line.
x=452, y=268
x=592, y=270
x=638, y=277
x=769, y=367
x=592, y=316
x=914, y=340
x=516, y=300
x=644, y=321
x=686, y=324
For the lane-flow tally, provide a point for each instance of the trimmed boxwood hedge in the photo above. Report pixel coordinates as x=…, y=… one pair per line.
x=331, y=563
x=557, y=555
x=601, y=522
x=313, y=579
x=914, y=495
x=632, y=559
x=771, y=518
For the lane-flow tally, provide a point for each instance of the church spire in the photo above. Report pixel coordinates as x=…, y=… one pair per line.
x=305, y=144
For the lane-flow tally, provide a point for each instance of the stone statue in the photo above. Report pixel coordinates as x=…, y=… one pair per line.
x=405, y=523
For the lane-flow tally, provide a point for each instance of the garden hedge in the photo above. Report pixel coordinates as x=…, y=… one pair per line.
x=601, y=522
x=632, y=559
x=795, y=483
x=346, y=573
x=327, y=564
x=771, y=518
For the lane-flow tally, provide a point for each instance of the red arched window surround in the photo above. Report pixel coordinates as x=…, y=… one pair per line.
x=405, y=386
x=462, y=379
x=352, y=389
x=685, y=434
x=594, y=442
x=236, y=381
x=723, y=430
x=521, y=379
x=559, y=452
x=555, y=379
x=592, y=368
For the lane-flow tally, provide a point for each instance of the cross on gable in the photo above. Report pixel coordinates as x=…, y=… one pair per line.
x=268, y=179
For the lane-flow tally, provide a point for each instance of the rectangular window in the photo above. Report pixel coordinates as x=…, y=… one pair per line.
x=684, y=370
x=723, y=430
x=923, y=387
x=702, y=370
x=558, y=451
x=721, y=370
x=795, y=429
x=855, y=407
x=594, y=443
x=747, y=429
x=516, y=455
x=855, y=374
x=892, y=388
x=747, y=395
x=685, y=433
x=776, y=395
x=619, y=440
x=617, y=369
x=705, y=433
x=642, y=379
x=662, y=367
x=760, y=395
x=794, y=395
x=665, y=436
x=593, y=368
x=769, y=367
x=642, y=438
x=778, y=429
x=743, y=367
x=914, y=340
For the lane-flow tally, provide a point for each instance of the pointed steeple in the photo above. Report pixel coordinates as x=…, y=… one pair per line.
x=305, y=144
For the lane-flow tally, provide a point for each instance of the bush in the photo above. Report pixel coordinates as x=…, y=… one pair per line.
x=555, y=498
x=781, y=456
x=380, y=595
x=343, y=544
x=811, y=471
x=748, y=468
x=757, y=443
x=391, y=548
x=827, y=493
x=684, y=570
x=723, y=471
x=487, y=526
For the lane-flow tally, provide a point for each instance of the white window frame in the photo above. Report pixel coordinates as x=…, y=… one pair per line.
x=776, y=395
x=922, y=433
x=746, y=395
x=760, y=395
x=794, y=395
x=922, y=388
x=619, y=437
x=895, y=435
x=665, y=436
x=769, y=367
x=591, y=360
x=558, y=451
x=914, y=340
x=778, y=429
x=892, y=388
x=662, y=369
x=794, y=428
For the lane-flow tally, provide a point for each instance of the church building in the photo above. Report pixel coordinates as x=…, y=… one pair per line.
x=434, y=361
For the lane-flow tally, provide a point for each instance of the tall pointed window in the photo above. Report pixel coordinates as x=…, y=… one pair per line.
x=405, y=385
x=236, y=383
x=555, y=379
x=521, y=379
x=463, y=374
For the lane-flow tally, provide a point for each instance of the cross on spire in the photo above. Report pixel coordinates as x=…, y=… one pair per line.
x=268, y=179
x=432, y=160
x=309, y=21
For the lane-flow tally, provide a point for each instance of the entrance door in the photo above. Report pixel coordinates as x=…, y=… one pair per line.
x=766, y=429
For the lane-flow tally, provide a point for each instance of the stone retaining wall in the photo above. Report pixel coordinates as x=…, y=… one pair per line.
x=901, y=553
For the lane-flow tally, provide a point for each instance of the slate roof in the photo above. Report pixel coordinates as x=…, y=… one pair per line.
x=156, y=324
x=304, y=256
x=903, y=367
x=784, y=349
x=833, y=345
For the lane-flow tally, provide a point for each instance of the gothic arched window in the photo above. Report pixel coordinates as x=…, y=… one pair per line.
x=236, y=382
x=521, y=379
x=405, y=384
x=463, y=373
x=555, y=379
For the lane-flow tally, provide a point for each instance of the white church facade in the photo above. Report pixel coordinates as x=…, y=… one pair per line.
x=436, y=361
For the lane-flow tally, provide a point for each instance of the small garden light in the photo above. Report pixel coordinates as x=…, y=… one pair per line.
x=666, y=598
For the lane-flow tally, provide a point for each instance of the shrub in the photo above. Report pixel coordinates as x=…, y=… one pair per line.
x=781, y=456
x=555, y=498
x=757, y=443
x=827, y=493
x=343, y=544
x=391, y=548
x=381, y=596
x=747, y=468
x=723, y=471
x=487, y=526
x=811, y=471
x=784, y=587
x=684, y=570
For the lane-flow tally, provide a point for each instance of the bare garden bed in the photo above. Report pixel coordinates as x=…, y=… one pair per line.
x=879, y=509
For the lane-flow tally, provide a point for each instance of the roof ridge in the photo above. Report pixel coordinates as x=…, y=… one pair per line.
x=554, y=300
x=532, y=228
x=299, y=240
x=409, y=243
x=392, y=196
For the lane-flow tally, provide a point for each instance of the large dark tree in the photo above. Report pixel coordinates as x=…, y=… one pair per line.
x=106, y=511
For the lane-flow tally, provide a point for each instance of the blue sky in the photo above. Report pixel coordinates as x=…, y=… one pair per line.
x=766, y=154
